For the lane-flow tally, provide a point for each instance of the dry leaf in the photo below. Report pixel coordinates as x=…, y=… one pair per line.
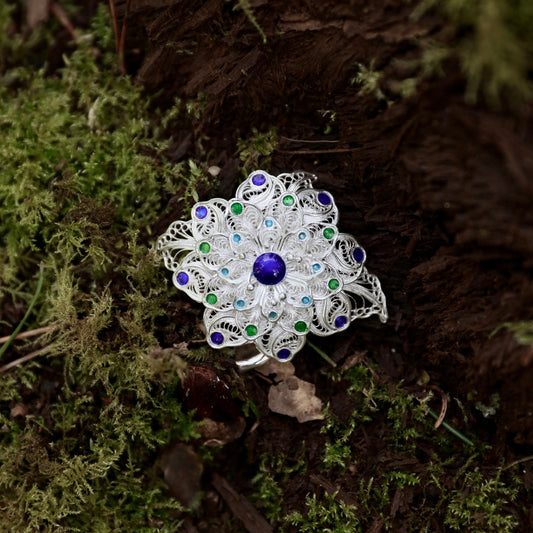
x=295, y=397
x=37, y=11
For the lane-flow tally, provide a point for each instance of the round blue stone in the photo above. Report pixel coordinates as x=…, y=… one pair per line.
x=306, y=300
x=224, y=271
x=284, y=353
x=272, y=315
x=201, y=212
x=258, y=180
x=324, y=198
x=269, y=223
x=217, y=338
x=239, y=304
x=182, y=278
x=236, y=238
x=316, y=267
x=269, y=269
x=359, y=254
x=341, y=321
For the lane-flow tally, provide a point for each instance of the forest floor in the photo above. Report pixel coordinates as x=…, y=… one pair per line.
x=431, y=168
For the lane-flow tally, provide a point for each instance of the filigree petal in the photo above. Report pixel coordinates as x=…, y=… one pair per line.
x=331, y=315
x=260, y=188
x=222, y=331
x=366, y=297
x=280, y=344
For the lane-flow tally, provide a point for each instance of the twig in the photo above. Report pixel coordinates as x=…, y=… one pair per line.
x=241, y=507
x=28, y=311
x=61, y=15
x=443, y=407
x=322, y=354
x=308, y=141
x=518, y=461
x=20, y=360
x=114, y=22
x=303, y=152
x=29, y=333
x=121, y=63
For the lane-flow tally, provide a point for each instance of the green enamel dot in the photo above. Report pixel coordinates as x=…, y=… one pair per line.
x=333, y=284
x=300, y=326
x=251, y=330
x=288, y=200
x=204, y=247
x=211, y=299
x=328, y=233
x=236, y=208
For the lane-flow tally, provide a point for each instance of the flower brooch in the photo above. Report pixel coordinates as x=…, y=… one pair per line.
x=270, y=266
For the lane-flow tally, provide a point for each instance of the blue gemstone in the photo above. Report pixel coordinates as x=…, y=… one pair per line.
x=217, y=338
x=272, y=315
x=359, y=254
x=182, y=278
x=201, y=212
x=284, y=353
x=236, y=238
x=269, y=223
x=224, y=271
x=269, y=269
x=306, y=300
x=341, y=321
x=324, y=198
x=316, y=267
x=258, y=180
x=302, y=236
x=239, y=304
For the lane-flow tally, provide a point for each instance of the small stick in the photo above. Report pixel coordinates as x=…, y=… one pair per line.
x=518, y=461
x=303, y=152
x=451, y=429
x=121, y=63
x=114, y=22
x=61, y=15
x=443, y=407
x=20, y=360
x=29, y=333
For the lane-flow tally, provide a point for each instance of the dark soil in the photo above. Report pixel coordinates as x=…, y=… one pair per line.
x=439, y=192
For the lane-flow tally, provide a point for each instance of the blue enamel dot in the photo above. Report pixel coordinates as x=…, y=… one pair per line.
x=236, y=238
x=283, y=354
x=224, y=271
x=269, y=269
x=258, y=180
x=201, y=212
x=272, y=315
x=316, y=267
x=269, y=223
x=324, y=198
x=341, y=321
x=359, y=254
x=302, y=236
x=239, y=304
x=306, y=300
x=217, y=338
x=182, y=278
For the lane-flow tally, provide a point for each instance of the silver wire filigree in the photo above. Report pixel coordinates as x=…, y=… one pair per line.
x=270, y=266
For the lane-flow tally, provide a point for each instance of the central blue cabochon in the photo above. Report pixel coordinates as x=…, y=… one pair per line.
x=269, y=269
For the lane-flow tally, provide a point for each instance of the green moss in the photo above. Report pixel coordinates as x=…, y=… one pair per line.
x=494, y=45
x=83, y=178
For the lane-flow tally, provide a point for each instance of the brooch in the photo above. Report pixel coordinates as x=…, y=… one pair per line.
x=270, y=266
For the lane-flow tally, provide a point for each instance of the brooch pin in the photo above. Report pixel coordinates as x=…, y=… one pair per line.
x=270, y=266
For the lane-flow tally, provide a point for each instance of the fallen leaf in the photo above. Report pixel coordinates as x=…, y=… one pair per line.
x=295, y=397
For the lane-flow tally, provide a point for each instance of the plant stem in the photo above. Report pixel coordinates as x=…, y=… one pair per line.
x=322, y=354
x=30, y=307
x=451, y=429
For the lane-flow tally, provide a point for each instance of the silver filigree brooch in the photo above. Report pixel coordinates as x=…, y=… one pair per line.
x=270, y=266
